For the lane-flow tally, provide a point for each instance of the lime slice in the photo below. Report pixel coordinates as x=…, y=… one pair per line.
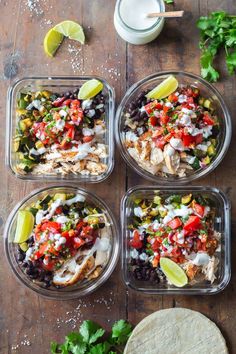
x=90, y=89
x=173, y=272
x=71, y=29
x=24, y=226
x=164, y=89
x=52, y=42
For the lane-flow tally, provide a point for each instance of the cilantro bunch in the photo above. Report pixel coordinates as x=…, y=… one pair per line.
x=218, y=30
x=89, y=339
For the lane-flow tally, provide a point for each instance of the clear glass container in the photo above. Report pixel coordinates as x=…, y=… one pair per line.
x=76, y=290
x=222, y=225
x=208, y=91
x=134, y=35
x=59, y=84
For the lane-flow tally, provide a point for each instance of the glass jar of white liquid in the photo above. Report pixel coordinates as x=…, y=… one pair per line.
x=131, y=21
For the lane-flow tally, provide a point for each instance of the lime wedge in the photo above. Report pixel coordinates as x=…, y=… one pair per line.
x=173, y=272
x=24, y=226
x=52, y=42
x=164, y=89
x=71, y=29
x=90, y=89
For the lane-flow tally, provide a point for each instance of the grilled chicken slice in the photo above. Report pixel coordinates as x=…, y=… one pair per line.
x=172, y=159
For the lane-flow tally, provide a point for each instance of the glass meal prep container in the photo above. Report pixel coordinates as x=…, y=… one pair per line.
x=134, y=97
x=21, y=266
x=221, y=225
x=60, y=84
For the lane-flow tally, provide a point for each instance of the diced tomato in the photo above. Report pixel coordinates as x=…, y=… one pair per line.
x=187, y=140
x=208, y=120
x=87, y=139
x=75, y=104
x=198, y=139
x=58, y=210
x=42, y=249
x=199, y=209
x=156, y=261
x=164, y=119
x=78, y=242
x=190, y=100
x=52, y=226
x=193, y=224
x=155, y=244
x=153, y=121
x=154, y=105
x=176, y=252
x=160, y=142
x=58, y=102
x=70, y=133
x=67, y=102
x=50, y=265
x=174, y=223
x=173, y=98
x=80, y=225
x=166, y=109
x=86, y=231
x=136, y=242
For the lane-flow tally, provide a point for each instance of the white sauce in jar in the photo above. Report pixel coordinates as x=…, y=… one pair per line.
x=132, y=24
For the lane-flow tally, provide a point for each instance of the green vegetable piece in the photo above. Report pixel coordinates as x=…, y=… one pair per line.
x=33, y=210
x=169, y=1
x=157, y=200
x=175, y=198
x=137, y=201
x=196, y=164
x=121, y=331
x=186, y=199
x=45, y=200
x=61, y=196
x=207, y=104
x=211, y=150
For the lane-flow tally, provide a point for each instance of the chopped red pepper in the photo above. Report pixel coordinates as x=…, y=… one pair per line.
x=174, y=223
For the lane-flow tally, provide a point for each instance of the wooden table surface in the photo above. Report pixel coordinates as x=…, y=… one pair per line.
x=28, y=322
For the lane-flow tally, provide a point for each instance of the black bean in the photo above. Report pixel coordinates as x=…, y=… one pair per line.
x=47, y=278
x=71, y=97
x=101, y=225
x=20, y=257
x=75, y=92
x=67, y=94
x=134, y=113
x=91, y=124
x=24, y=264
x=29, y=271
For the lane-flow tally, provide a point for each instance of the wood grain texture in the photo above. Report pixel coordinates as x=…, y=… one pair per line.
x=23, y=315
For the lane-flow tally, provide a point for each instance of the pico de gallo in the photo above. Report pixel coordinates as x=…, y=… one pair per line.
x=172, y=136
x=178, y=227
x=70, y=241
x=60, y=134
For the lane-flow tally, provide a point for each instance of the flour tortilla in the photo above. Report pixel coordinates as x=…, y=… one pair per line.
x=176, y=331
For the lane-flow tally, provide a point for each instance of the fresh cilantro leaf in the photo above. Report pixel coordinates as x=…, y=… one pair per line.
x=231, y=62
x=53, y=347
x=94, y=337
x=74, y=337
x=218, y=30
x=63, y=348
x=78, y=348
x=121, y=331
x=231, y=37
x=169, y=1
x=101, y=348
x=90, y=330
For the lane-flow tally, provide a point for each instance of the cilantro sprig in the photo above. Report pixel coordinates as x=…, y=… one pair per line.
x=89, y=339
x=218, y=30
